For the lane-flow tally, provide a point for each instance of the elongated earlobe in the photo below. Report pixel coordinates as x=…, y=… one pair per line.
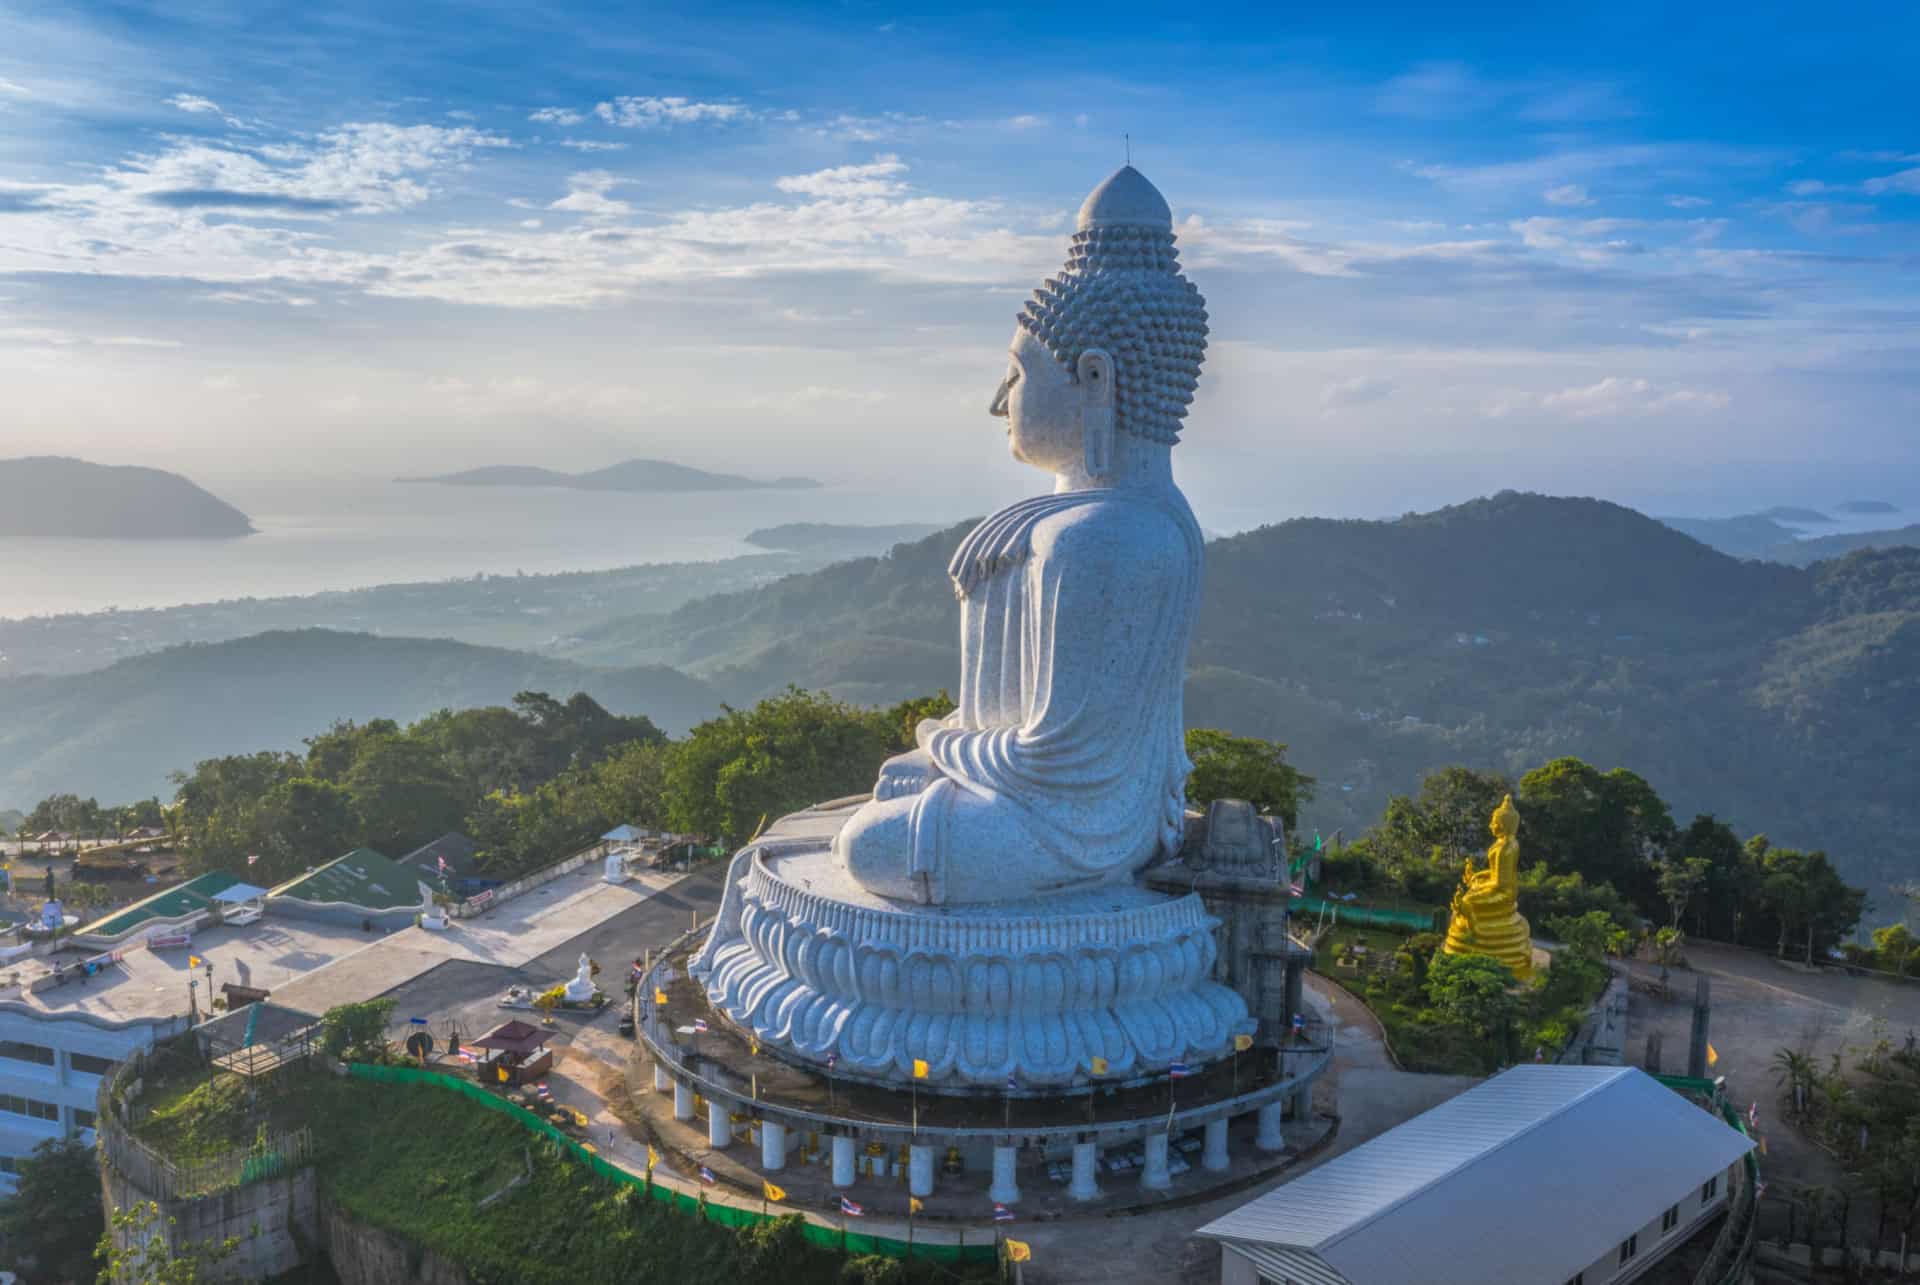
x=1095, y=373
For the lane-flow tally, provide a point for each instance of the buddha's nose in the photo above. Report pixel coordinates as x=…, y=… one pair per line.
x=998, y=406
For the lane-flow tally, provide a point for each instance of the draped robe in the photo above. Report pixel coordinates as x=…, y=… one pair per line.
x=1065, y=762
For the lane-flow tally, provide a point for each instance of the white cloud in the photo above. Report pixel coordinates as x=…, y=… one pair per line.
x=1688, y=202
x=259, y=296
x=1026, y=121
x=52, y=337
x=659, y=113
x=1906, y=182
x=879, y=177
x=592, y=145
x=193, y=103
x=1436, y=89
x=587, y=195
x=1619, y=396
x=885, y=127
x=1808, y=187
x=14, y=88
x=1567, y=194
x=555, y=116
x=1356, y=391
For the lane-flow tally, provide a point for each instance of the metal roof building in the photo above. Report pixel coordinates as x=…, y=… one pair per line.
x=1542, y=1175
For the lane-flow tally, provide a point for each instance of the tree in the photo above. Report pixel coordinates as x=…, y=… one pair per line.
x=1803, y=897
x=300, y=823
x=355, y=1030
x=1245, y=767
x=1608, y=826
x=148, y=1258
x=1895, y=948
x=402, y=794
x=66, y=812
x=1476, y=993
x=788, y=751
x=1679, y=878
x=1723, y=907
x=1588, y=936
x=54, y=1217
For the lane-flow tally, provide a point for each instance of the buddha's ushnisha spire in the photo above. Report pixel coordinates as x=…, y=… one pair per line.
x=1122, y=291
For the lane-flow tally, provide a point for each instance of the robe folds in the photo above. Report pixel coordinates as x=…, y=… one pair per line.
x=1065, y=762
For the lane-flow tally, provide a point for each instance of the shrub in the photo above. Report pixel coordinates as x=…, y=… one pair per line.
x=357, y=1030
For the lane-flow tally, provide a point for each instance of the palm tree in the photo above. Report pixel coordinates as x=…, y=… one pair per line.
x=1795, y=1072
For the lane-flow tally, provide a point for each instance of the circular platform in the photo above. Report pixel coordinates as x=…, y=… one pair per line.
x=1023, y=997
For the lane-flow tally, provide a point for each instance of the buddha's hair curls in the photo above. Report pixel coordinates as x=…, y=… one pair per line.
x=1122, y=291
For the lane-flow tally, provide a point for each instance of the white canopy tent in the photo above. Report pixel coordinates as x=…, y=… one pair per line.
x=243, y=903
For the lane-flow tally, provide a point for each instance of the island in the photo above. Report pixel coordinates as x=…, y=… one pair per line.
x=1865, y=507
x=838, y=538
x=632, y=475
x=54, y=496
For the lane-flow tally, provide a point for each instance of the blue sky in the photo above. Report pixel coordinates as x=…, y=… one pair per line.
x=1668, y=255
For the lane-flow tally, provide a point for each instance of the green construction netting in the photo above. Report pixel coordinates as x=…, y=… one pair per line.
x=725, y=1215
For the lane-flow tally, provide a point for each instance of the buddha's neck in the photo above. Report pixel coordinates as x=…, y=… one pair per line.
x=1138, y=465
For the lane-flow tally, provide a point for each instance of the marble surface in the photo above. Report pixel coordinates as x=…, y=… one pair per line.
x=980, y=912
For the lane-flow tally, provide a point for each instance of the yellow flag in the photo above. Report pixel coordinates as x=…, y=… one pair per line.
x=653, y=1158
x=1713, y=1054
x=579, y=1117
x=773, y=1192
x=1018, y=1251
x=753, y=1047
x=1241, y=1043
x=919, y=1069
x=914, y=1206
x=1099, y=1066
x=588, y=1146
x=193, y=961
x=502, y=1072
x=659, y=996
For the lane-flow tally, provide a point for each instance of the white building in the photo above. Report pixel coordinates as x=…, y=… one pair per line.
x=1543, y=1175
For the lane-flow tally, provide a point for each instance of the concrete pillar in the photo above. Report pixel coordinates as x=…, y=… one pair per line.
x=1269, y=1137
x=661, y=1080
x=1084, y=1186
x=719, y=1128
x=1300, y=1106
x=682, y=1100
x=1214, y=1158
x=773, y=1145
x=920, y=1170
x=1702, y=1011
x=1295, y=980
x=842, y=1160
x=1006, y=1187
x=1154, y=1177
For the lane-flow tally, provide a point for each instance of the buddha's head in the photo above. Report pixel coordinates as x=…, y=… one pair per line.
x=1506, y=819
x=1112, y=344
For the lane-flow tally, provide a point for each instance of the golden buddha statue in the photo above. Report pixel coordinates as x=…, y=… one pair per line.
x=1486, y=915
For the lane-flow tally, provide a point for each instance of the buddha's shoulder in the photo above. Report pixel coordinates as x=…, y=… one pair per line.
x=1118, y=525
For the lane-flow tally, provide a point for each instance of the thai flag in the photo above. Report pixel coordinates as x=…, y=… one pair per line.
x=700, y=1025
x=1001, y=1214
x=832, y=1060
x=1013, y=1081
x=706, y=1176
x=1296, y=890
x=541, y=1089
x=850, y=1209
x=1178, y=1071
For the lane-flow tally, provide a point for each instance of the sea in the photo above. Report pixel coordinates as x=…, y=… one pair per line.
x=315, y=534
x=320, y=534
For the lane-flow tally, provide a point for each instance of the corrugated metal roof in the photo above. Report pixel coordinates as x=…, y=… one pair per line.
x=1294, y=1266
x=1531, y=1176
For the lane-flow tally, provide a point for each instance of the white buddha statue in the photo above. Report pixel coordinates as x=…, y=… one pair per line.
x=1064, y=765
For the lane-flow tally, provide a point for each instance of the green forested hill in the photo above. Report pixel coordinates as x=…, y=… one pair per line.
x=116, y=733
x=1499, y=633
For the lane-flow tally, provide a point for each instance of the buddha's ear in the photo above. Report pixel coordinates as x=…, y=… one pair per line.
x=1095, y=373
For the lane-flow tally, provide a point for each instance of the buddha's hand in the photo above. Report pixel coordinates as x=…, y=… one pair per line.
x=904, y=775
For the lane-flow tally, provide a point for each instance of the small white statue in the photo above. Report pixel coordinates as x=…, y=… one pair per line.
x=581, y=989
x=616, y=867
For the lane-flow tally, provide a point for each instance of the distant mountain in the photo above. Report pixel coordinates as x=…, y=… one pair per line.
x=1792, y=516
x=1753, y=535
x=1865, y=507
x=1499, y=633
x=116, y=733
x=1804, y=553
x=843, y=541
x=633, y=475
x=50, y=495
